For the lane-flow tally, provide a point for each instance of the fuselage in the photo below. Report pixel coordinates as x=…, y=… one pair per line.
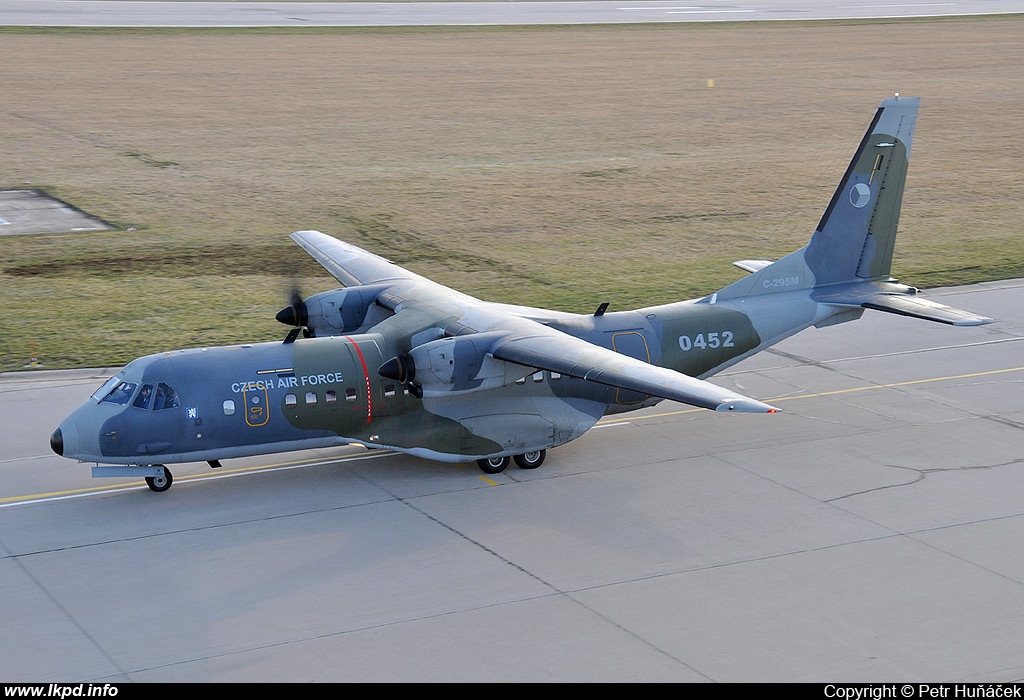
x=233, y=401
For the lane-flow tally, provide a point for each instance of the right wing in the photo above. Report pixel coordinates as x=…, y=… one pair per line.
x=349, y=264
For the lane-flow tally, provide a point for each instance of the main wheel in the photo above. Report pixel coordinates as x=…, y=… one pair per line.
x=530, y=460
x=493, y=465
x=160, y=483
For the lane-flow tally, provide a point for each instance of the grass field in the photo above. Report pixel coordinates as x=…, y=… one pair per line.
x=549, y=166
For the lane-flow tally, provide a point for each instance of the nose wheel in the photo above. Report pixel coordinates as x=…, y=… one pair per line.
x=160, y=483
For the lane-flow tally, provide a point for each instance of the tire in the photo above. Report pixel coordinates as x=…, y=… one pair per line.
x=493, y=465
x=530, y=460
x=160, y=483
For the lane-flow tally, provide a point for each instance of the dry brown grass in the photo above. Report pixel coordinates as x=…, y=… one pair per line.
x=550, y=166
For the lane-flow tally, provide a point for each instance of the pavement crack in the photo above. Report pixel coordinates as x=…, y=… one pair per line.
x=921, y=473
x=801, y=360
x=1004, y=421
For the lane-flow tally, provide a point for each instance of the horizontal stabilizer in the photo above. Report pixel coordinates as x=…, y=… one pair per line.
x=922, y=308
x=752, y=265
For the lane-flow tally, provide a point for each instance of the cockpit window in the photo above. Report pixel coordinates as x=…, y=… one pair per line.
x=120, y=394
x=117, y=392
x=144, y=397
x=100, y=393
x=166, y=397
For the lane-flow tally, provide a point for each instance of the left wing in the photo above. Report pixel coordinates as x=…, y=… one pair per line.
x=557, y=352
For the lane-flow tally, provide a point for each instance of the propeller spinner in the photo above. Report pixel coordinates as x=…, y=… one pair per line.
x=295, y=314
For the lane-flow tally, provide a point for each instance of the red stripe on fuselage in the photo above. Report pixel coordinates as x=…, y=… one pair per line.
x=366, y=376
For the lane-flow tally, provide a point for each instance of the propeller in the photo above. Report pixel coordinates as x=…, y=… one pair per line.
x=295, y=314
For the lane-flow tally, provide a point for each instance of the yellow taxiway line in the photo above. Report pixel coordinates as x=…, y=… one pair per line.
x=219, y=474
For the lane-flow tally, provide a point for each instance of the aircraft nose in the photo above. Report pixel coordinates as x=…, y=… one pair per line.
x=64, y=440
x=57, y=442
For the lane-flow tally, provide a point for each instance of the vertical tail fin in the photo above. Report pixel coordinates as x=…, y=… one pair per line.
x=855, y=237
x=846, y=265
x=857, y=232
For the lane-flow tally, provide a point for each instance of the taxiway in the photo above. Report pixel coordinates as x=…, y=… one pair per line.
x=870, y=532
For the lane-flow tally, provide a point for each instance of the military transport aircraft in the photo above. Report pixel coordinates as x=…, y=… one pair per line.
x=393, y=360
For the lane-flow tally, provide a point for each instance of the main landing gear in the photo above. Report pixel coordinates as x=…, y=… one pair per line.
x=496, y=465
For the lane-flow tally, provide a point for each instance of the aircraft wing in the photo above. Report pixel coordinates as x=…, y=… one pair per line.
x=558, y=352
x=349, y=264
x=533, y=345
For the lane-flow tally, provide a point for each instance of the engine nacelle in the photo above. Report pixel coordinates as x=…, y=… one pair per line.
x=336, y=312
x=449, y=365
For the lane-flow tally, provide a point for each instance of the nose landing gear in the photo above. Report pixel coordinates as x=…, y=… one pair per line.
x=158, y=477
x=160, y=483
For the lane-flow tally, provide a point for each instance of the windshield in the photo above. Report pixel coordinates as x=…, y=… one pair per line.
x=158, y=397
x=120, y=394
x=105, y=389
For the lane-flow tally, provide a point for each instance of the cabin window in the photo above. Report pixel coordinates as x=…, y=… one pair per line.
x=538, y=377
x=389, y=390
x=229, y=408
x=290, y=401
x=331, y=396
x=350, y=395
x=120, y=393
x=165, y=397
x=555, y=376
x=144, y=397
x=310, y=398
x=521, y=380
